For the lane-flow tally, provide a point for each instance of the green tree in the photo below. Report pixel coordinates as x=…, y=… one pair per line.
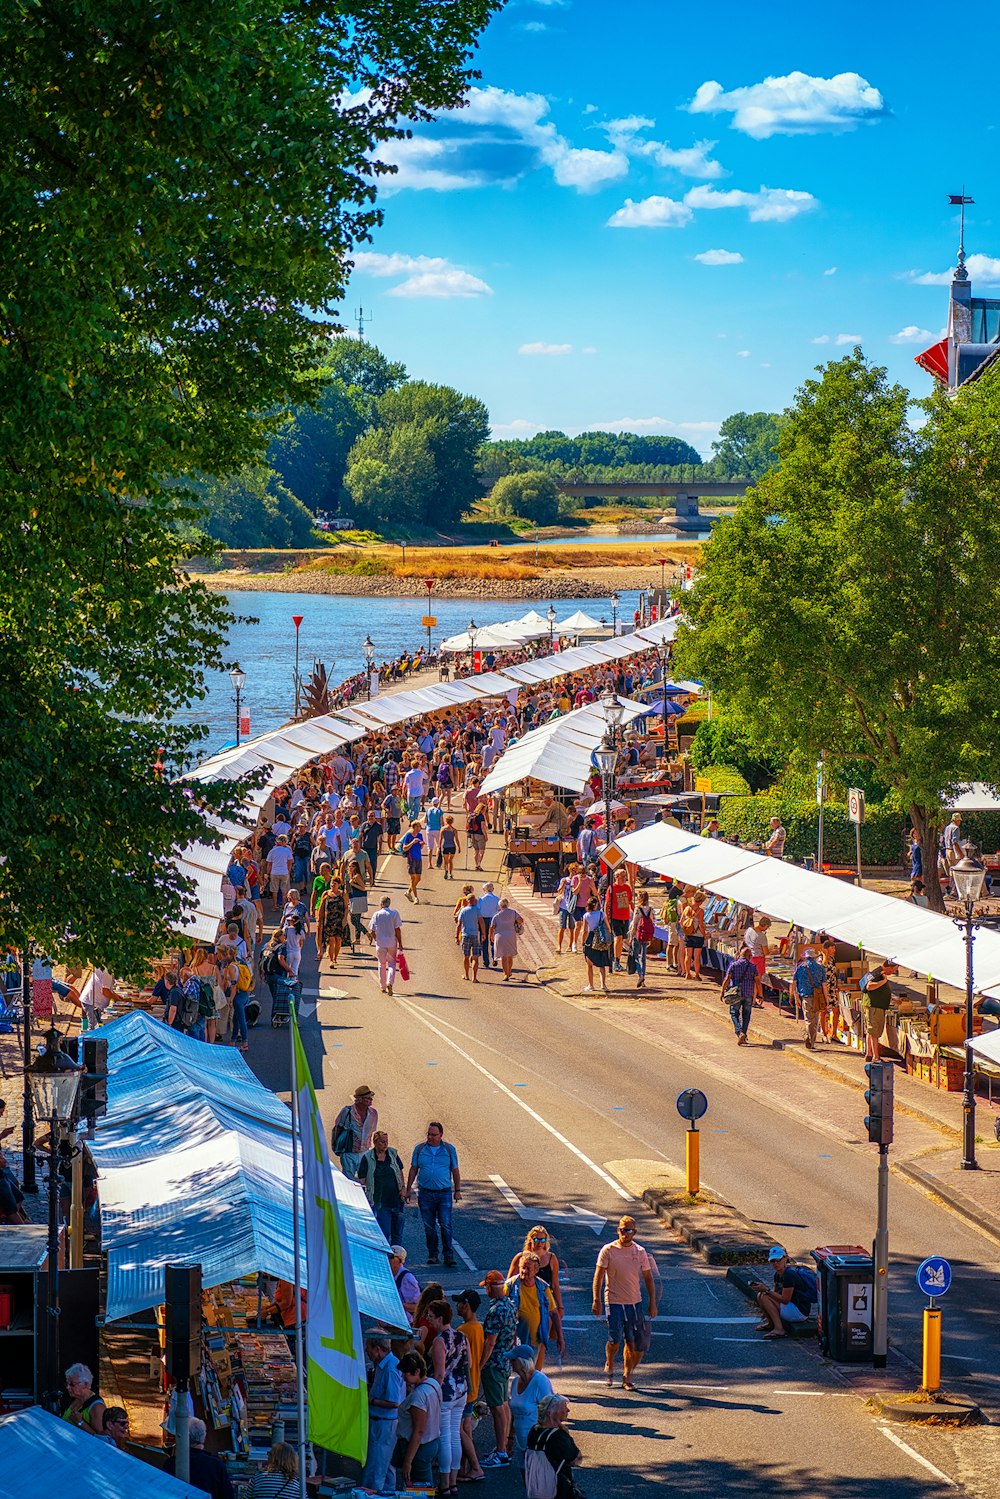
x=457, y=426
x=254, y=509
x=392, y=476
x=310, y=451
x=533, y=496
x=851, y=604
x=748, y=444
x=180, y=189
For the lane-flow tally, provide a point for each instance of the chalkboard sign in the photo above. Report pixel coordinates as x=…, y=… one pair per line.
x=546, y=880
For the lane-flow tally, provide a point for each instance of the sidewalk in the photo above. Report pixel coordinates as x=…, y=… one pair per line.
x=974, y=1195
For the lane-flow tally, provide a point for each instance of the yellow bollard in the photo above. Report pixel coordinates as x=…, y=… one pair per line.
x=932, y=1349
x=693, y=1157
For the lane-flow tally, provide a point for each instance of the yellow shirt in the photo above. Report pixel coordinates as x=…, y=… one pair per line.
x=529, y=1315
x=475, y=1338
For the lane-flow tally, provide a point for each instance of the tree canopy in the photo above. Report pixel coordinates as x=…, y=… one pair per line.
x=851, y=603
x=253, y=509
x=181, y=190
x=747, y=447
x=532, y=496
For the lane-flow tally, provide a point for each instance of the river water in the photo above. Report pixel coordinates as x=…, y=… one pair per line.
x=333, y=629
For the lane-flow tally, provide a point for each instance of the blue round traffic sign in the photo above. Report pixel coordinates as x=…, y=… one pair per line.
x=934, y=1276
x=692, y=1104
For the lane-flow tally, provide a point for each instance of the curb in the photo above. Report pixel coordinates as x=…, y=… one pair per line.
x=964, y=1206
x=954, y=1410
x=721, y=1234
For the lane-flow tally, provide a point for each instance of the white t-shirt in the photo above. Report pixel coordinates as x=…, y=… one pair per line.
x=280, y=828
x=279, y=860
x=383, y=924
x=293, y=950
x=92, y=995
x=756, y=941
x=414, y=781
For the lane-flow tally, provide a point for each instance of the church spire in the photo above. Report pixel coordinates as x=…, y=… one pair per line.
x=959, y=200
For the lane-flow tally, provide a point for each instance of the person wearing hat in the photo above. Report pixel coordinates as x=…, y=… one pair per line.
x=353, y=1130
x=809, y=985
x=791, y=1299
x=499, y=1342
x=405, y=1281
x=875, y=1002
x=467, y=1304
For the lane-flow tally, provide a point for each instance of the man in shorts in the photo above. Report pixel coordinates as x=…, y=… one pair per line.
x=499, y=1342
x=467, y=922
x=623, y=1269
x=790, y=1301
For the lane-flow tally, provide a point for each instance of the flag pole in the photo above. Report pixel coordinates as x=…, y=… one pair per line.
x=300, y=1379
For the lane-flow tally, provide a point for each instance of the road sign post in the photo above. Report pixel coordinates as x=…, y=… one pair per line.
x=933, y=1278
x=856, y=814
x=692, y=1105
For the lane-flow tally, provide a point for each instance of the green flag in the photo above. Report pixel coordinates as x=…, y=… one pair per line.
x=335, y=1353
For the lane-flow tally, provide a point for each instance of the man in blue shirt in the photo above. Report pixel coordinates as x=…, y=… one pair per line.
x=487, y=905
x=809, y=985
x=434, y=1164
x=467, y=928
x=385, y=1396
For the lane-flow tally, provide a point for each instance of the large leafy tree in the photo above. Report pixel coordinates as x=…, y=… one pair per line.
x=851, y=604
x=180, y=189
x=533, y=496
x=458, y=426
x=391, y=477
x=254, y=509
x=748, y=444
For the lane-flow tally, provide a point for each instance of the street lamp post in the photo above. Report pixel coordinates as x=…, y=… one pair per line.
x=968, y=875
x=238, y=679
x=53, y=1095
x=550, y=615
x=428, y=584
x=663, y=584
x=369, y=650
x=642, y=607
x=473, y=627
x=297, y=621
x=606, y=757
x=30, y=1182
x=614, y=614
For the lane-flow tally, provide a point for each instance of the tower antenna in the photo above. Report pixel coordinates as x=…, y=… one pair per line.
x=366, y=317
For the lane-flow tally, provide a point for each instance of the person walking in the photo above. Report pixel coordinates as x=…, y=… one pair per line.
x=434, y=1166
x=467, y=1304
x=641, y=930
x=623, y=1269
x=380, y=1172
x=538, y=1322
x=618, y=905
x=467, y=932
x=537, y=1243
x=386, y=927
x=499, y=1342
x=475, y=827
x=550, y=1438
x=332, y=928
x=357, y=892
x=564, y=908
x=450, y=846
x=489, y=904
x=505, y=928
x=448, y=1354
x=809, y=983
x=385, y=1395
x=742, y=986
x=412, y=848
x=597, y=944
x=353, y=1130
x=527, y=1387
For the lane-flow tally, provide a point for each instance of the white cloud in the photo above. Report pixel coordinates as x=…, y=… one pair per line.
x=650, y=213
x=796, y=104
x=824, y=338
x=495, y=141
x=422, y=275
x=590, y=109
x=720, y=257
x=830, y=271
x=535, y=26
x=743, y=354
x=519, y=427
x=768, y=205
x=911, y=335
x=545, y=349
x=845, y=340
x=690, y=161
x=982, y=268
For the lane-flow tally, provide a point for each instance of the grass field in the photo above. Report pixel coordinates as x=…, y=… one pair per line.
x=494, y=562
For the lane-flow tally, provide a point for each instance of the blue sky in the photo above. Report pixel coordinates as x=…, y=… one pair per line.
x=652, y=215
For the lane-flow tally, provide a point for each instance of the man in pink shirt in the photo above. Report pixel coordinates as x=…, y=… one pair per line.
x=623, y=1269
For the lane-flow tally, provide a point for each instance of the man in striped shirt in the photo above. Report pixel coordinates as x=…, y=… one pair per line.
x=742, y=984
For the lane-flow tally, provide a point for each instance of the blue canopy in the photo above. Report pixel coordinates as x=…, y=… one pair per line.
x=46, y=1458
x=195, y=1163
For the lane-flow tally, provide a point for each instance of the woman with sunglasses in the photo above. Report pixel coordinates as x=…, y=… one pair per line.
x=537, y=1243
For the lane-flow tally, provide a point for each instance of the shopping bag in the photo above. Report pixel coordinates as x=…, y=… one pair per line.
x=402, y=966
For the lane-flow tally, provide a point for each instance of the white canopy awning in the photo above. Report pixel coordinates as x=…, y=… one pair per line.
x=975, y=798
x=580, y=624
x=44, y=1457
x=916, y=938
x=558, y=752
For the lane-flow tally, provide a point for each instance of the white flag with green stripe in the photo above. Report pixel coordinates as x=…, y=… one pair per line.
x=335, y=1353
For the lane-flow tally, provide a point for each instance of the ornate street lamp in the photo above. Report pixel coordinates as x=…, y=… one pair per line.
x=614, y=614
x=969, y=876
x=369, y=649
x=473, y=627
x=238, y=679
x=53, y=1097
x=606, y=757
x=550, y=615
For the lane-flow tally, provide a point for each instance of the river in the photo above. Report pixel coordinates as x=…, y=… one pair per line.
x=332, y=631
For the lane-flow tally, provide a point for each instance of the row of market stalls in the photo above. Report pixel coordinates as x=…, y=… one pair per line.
x=531, y=626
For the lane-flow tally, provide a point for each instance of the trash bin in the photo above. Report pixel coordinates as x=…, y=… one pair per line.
x=846, y=1286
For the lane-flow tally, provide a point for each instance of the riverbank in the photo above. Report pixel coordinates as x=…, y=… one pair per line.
x=597, y=583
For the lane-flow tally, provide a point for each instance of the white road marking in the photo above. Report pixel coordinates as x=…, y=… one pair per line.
x=576, y=1215
x=917, y=1457
x=466, y=1261
x=384, y=866
x=598, y=1170
x=736, y=1340
x=679, y=1384
x=826, y=1394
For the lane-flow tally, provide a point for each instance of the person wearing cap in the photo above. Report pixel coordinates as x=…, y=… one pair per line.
x=499, y=1342
x=809, y=983
x=791, y=1298
x=622, y=1269
x=467, y=1304
x=875, y=1002
x=405, y=1281
x=354, y=1128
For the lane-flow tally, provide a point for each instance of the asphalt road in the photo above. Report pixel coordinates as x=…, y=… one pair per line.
x=544, y=1100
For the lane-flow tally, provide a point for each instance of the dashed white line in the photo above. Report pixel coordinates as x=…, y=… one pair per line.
x=466, y=1261
x=598, y=1170
x=917, y=1457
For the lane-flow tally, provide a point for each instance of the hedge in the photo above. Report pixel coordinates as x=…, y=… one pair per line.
x=748, y=819
x=726, y=778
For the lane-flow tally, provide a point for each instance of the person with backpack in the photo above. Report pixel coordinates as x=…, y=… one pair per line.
x=670, y=918
x=184, y=1012
x=597, y=943
x=809, y=983
x=692, y=935
x=792, y=1298
x=641, y=931
x=551, y=1453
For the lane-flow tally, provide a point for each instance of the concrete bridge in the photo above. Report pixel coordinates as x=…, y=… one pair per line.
x=684, y=493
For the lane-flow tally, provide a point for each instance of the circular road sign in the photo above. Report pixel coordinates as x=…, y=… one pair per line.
x=692, y=1104
x=934, y=1276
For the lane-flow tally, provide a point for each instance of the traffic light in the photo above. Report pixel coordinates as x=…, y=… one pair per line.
x=94, y=1083
x=878, y=1097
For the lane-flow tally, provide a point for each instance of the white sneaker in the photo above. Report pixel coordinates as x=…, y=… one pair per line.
x=589, y=989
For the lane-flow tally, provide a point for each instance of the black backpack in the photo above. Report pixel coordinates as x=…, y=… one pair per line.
x=270, y=964
x=189, y=1009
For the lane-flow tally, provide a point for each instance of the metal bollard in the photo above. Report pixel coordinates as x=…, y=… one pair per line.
x=693, y=1159
x=932, y=1350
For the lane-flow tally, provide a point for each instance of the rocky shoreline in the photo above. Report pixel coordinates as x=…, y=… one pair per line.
x=596, y=583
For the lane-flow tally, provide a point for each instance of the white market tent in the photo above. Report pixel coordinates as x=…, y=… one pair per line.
x=975, y=798
x=580, y=624
x=486, y=638
x=921, y=940
x=195, y=1162
x=558, y=752
x=44, y=1457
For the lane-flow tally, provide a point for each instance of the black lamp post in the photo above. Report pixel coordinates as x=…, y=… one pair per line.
x=473, y=627
x=238, y=679
x=53, y=1095
x=607, y=759
x=969, y=876
x=30, y=1182
x=614, y=614
x=550, y=615
x=369, y=649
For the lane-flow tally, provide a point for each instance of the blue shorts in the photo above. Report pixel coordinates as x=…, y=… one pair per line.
x=567, y=919
x=624, y=1324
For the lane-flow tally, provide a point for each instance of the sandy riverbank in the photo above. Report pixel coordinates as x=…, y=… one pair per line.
x=592, y=582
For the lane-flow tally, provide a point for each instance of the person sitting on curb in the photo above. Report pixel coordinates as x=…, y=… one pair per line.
x=791, y=1299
